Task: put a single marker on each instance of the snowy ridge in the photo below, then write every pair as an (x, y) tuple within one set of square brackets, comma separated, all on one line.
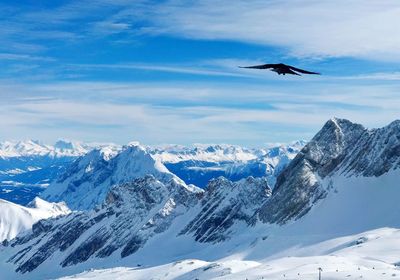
[(61, 148), (87, 180), (15, 218), (203, 152), (130, 215), (339, 148), (201, 163)]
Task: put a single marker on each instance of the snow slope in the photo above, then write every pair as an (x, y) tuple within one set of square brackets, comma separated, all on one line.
[(15, 218), (370, 255)]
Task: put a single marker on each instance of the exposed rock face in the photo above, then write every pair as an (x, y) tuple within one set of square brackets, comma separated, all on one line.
[(224, 204), (341, 147), (131, 214), (87, 181)]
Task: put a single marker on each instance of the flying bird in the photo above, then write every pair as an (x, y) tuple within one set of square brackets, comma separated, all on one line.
[(281, 69)]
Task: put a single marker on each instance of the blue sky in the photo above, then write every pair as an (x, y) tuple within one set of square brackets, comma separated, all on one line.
[(166, 71)]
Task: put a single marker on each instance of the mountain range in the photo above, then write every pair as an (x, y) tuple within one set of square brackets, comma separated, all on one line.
[(28, 167), (333, 206)]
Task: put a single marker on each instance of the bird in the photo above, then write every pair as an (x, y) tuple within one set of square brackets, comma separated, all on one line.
[(281, 69)]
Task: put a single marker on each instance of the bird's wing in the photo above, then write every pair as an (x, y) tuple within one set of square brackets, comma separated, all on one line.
[(264, 66), (288, 71), (303, 71)]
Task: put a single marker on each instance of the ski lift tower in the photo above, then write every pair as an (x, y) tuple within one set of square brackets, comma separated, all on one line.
[(319, 273)]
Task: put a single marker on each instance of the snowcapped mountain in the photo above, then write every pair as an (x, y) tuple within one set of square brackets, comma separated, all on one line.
[(27, 167), (15, 218), (131, 214), (335, 206), (341, 149), (62, 148), (137, 212), (87, 180), (199, 164), (203, 152)]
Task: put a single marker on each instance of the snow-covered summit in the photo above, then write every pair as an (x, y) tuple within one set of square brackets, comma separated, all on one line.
[(36, 148), (202, 152), (87, 180), (340, 148)]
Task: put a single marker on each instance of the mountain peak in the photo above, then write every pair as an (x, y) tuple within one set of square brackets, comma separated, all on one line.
[(87, 181), (340, 147)]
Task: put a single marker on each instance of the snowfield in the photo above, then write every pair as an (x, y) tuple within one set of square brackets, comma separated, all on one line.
[(15, 218), (369, 255)]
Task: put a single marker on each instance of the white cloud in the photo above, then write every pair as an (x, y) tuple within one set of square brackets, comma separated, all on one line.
[(24, 57), (355, 28), (187, 113)]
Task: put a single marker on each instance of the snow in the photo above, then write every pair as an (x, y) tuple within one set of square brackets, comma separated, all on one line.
[(86, 182), (339, 259), (62, 148), (15, 218), (352, 231), (202, 152), (351, 234)]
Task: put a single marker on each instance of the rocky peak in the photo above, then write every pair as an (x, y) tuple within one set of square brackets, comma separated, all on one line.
[(340, 147)]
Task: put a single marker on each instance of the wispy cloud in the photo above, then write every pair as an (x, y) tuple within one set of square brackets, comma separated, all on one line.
[(166, 113), (355, 28), (209, 70), (24, 57), (343, 28)]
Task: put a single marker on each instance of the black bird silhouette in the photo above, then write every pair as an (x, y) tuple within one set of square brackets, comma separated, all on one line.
[(281, 68)]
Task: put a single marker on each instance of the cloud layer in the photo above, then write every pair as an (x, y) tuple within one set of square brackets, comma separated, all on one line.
[(163, 113)]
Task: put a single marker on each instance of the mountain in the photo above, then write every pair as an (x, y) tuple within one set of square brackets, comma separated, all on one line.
[(136, 213), (15, 218), (225, 203), (199, 164), (341, 150), (130, 214), (86, 182), (32, 148), (28, 167), (334, 206)]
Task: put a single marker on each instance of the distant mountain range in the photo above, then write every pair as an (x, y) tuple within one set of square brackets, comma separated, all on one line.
[(335, 205), (27, 168)]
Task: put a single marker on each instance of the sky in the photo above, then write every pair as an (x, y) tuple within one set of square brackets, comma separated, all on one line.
[(167, 71)]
